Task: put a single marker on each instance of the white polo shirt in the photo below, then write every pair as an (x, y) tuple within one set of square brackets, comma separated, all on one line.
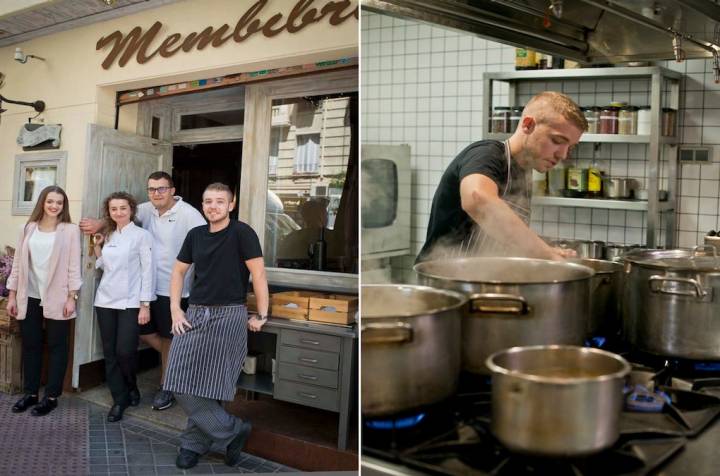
[(168, 233), (127, 266)]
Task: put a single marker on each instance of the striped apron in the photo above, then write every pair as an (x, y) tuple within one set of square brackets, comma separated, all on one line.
[(478, 243), (207, 360)]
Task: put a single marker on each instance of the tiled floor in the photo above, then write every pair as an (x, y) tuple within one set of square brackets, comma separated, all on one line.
[(76, 439), (136, 447)]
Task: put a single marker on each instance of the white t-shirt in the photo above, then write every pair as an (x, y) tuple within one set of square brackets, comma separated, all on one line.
[(40, 245), (169, 232)]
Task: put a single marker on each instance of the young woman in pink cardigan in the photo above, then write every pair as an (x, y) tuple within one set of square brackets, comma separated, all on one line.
[(43, 284)]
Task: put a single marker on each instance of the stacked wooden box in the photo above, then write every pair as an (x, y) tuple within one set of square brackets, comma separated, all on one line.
[(314, 306), (10, 353)]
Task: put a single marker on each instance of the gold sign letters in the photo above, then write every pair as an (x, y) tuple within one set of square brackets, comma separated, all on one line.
[(136, 43)]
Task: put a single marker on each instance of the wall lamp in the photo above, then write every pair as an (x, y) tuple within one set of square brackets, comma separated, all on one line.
[(39, 106), (21, 57)]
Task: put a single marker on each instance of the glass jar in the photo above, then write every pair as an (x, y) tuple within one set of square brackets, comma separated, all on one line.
[(628, 120), (668, 121), (592, 116), (643, 127), (501, 120), (609, 120), (576, 182), (515, 116)]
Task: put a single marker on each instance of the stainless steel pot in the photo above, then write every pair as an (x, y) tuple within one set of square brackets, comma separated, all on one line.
[(713, 241), (557, 400), (617, 187), (672, 302), (410, 338), (615, 252), (605, 294), (515, 301)]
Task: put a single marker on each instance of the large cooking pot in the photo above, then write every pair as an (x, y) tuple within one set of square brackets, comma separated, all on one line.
[(605, 294), (410, 338), (515, 301), (672, 302), (557, 400)]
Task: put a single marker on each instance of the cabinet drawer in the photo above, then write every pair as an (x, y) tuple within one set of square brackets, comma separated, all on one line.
[(309, 395), (308, 358), (310, 340), (297, 373)]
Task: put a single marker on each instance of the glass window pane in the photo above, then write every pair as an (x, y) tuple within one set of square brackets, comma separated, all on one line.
[(36, 179), (201, 120), (312, 204)]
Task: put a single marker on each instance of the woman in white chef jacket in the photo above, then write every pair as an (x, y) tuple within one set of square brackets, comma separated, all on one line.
[(122, 300)]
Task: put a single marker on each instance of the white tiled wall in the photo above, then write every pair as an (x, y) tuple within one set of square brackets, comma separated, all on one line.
[(422, 85)]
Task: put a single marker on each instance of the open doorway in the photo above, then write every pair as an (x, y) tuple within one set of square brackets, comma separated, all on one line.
[(197, 165)]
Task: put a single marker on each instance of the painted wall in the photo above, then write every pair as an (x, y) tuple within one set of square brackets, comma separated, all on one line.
[(78, 91), (422, 86)]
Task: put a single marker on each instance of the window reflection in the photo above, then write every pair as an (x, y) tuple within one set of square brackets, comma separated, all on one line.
[(311, 213)]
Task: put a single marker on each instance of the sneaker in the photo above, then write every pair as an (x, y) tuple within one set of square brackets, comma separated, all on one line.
[(233, 454), (186, 459), (163, 400)]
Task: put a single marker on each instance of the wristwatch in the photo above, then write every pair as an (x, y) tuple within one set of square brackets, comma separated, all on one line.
[(261, 317), (145, 303), (74, 296)]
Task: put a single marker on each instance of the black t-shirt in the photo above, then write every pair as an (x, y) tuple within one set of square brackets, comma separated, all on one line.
[(221, 276), (449, 224)]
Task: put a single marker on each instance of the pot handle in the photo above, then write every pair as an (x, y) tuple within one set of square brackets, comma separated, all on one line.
[(495, 303), (699, 248), (387, 333), (656, 286)]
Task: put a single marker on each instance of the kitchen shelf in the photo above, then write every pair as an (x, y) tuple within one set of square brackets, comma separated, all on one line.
[(260, 383), (613, 138), (605, 203), (657, 212)]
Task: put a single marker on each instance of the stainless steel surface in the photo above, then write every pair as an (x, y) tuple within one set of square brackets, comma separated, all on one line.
[(713, 241), (616, 187), (514, 301), (671, 302), (410, 337), (605, 293), (588, 31), (557, 400), (615, 252)]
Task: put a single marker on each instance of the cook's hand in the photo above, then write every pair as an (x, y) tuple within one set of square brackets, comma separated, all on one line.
[(144, 315), (69, 308), (255, 323), (179, 323), (12, 307), (90, 226), (565, 252)]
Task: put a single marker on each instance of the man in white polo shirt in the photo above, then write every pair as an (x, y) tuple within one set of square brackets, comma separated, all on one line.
[(168, 218)]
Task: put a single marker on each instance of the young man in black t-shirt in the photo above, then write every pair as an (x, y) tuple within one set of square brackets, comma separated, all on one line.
[(482, 204), (210, 342)]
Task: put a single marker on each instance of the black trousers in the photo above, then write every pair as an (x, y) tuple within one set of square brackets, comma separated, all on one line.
[(32, 350), (120, 332)]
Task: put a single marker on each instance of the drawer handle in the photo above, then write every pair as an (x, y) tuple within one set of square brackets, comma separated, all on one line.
[(307, 395), (307, 377), (309, 361), (308, 341)]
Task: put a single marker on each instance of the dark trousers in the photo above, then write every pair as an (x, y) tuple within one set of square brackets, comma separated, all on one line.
[(209, 425), (119, 331), (32, 350)]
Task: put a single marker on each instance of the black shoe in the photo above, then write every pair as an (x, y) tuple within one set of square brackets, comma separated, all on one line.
[(163, 400), (45, 406), (186, 459), (134, 396), (24, 403), (116, 413), (233, 454)]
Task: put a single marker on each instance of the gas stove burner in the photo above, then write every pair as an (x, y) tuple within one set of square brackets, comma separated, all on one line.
[(640, 399), (395, 423)]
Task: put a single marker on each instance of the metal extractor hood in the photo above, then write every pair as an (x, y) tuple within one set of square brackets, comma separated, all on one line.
[(587, 31)]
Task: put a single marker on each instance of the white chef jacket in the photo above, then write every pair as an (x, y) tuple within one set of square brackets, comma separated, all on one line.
[(168, 233), (127, 266)]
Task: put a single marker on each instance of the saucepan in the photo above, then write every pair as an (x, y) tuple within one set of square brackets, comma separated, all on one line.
[(557, 400)]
